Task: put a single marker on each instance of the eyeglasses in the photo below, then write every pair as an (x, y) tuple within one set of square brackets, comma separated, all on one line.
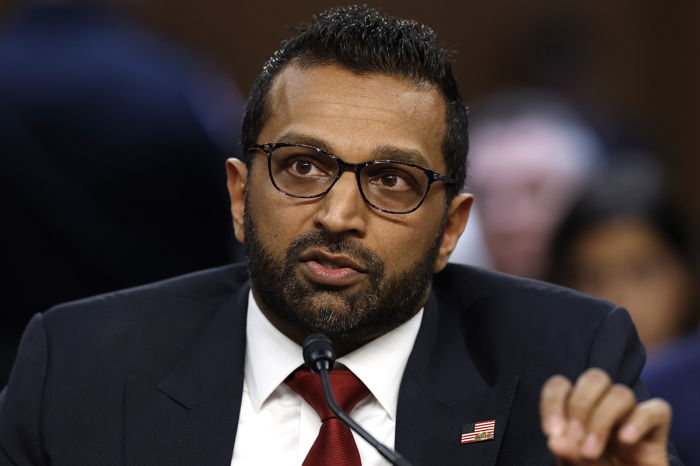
[(303, 171)]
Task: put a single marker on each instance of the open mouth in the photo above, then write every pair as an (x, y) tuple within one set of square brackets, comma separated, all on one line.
[(329, 265), (331, 261), (330, 269)]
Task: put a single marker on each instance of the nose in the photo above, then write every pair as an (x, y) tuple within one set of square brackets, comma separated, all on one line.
[(342, 210)]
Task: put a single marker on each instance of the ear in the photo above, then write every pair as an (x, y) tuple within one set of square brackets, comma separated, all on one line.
[(457, 217), (237, 185)]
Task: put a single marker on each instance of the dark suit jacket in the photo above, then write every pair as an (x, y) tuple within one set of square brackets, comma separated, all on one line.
[(153, 375)]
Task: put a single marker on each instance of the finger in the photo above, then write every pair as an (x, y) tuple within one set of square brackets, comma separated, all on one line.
[(567, 446), (552, 404), (650, 421), (612, 410), (586, 394), (553, 398), (583, 398)]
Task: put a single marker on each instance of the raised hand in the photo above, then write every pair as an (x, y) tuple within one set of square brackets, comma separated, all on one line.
[(596, 422)]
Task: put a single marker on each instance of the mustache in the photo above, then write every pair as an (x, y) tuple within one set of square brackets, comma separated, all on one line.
[(368, 259)]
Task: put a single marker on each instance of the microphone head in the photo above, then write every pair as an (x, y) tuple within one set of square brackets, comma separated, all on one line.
[(318, 352)]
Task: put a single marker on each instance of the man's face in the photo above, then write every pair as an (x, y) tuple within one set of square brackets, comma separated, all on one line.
[(334, 264), (525, 176)]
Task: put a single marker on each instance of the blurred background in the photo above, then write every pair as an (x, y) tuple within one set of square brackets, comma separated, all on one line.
[(116, 118)]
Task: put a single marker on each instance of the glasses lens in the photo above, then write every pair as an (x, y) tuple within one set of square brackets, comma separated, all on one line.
[(394, 186), (302, 171)]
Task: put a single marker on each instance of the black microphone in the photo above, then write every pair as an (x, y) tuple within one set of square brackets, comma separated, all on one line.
[(319, 356)]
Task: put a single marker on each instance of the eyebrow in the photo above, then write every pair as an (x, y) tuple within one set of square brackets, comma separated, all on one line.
[(388, 152), (385, 152), (292, 137)]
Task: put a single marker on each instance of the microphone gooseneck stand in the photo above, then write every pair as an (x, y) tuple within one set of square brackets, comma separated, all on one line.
[(319, 356)]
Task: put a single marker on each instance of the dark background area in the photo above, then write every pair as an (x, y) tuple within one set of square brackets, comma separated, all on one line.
[(633, 63)]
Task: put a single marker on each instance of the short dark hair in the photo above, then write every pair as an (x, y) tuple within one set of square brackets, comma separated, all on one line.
[(366, 42)]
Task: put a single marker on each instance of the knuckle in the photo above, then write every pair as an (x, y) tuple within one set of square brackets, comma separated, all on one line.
[(579, 405), (659, 407), (602, 427), (556, 386), (597, 376), (558, 380), (581, 410), (554, 392), (623, 394)]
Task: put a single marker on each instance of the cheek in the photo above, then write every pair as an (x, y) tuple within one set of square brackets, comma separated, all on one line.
[(278, 218), (403, 244)]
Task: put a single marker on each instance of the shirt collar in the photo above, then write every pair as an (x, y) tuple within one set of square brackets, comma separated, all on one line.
[(380, 364), (271, 357)]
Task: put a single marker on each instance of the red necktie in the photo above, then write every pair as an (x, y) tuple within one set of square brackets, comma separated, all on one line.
[(334, 445)]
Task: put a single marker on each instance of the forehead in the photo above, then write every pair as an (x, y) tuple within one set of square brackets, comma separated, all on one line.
[(356, 117)]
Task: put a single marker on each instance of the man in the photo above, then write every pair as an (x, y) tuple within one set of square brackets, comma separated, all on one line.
[(531, 154), (203, 369)]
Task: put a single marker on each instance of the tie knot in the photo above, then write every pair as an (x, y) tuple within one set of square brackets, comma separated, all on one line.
[(347, 388)]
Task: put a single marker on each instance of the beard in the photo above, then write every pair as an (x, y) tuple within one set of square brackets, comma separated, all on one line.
[(373, 309)]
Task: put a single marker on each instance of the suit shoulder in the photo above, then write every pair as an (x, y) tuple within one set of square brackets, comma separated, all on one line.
[(466, 286), (145, 330), (526, 326), (211, 287), (170, 312), (524, 313)]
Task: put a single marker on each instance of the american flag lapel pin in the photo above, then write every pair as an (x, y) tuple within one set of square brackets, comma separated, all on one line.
[(478, 431)]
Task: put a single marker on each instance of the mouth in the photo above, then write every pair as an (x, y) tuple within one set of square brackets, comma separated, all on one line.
[(330, 269)]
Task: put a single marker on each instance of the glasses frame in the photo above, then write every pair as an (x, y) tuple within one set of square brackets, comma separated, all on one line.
[(343, 167)]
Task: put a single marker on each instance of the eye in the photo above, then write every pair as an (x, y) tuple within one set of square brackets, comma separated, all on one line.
[(389, 180), (393, 179), (305, 167)]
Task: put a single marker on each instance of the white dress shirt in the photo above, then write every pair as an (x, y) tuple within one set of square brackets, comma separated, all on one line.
[(277, 427)]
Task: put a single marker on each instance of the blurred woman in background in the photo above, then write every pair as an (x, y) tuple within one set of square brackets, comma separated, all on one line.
[(626, 241)]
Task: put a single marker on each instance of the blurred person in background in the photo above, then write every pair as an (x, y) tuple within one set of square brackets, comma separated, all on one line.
[(627, 241), (471, 248), (113, 144), (531, 153)]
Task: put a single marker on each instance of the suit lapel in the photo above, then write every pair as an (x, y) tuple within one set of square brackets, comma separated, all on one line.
[(441, 391), (191, 415)]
